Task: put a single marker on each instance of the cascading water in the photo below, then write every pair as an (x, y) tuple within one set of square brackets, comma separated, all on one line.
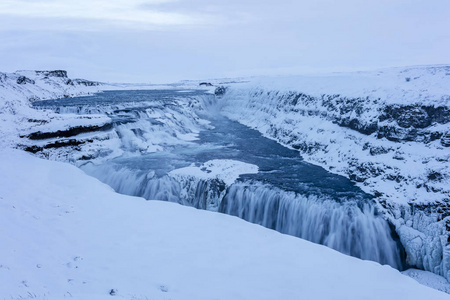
[(350, 226), (345, 227), (202, 194), (159, 134)]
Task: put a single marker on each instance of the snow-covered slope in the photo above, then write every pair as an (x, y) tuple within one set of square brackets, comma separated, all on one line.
[(387, 130), (66, 235), (19, 89)]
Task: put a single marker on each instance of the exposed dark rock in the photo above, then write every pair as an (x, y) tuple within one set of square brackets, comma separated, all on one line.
[(24, 80), (397, 178), (38, 121), (66, 143), (306, 147), (57, 144), (397, 134), (412, 117), (356, 124), (55, 73), (33, 149), (205, 84), (360, 172), (403, 123), (67, 133), (445, 140), (438, 114), (415, 116), (87, 157), (220, 90), (376, 150), (398, 157), (439, 210), (435, 176), (394, 122), (85, 82)]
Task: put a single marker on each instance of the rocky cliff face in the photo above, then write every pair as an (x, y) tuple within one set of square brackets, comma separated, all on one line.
[(394, 148)]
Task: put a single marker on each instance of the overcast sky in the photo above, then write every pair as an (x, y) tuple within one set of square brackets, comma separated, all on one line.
[(169, 40)]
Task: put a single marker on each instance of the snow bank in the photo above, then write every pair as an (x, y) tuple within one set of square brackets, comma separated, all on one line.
[(65, 234)]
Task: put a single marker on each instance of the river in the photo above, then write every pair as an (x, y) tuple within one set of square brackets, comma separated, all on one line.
[(287, 194)]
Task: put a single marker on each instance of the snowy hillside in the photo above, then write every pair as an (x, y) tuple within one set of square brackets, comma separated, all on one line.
[(66, 235), (387, 130)]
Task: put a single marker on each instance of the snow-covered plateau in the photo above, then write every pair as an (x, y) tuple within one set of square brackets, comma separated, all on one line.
[(67, 235)]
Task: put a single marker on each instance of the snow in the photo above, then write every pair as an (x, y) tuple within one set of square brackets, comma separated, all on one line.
[(68, 235), (65, 234), (304, 112), (401, 85), (226, 170), (18, 118), (429, 279)]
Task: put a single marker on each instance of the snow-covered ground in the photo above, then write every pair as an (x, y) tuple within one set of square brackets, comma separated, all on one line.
[(66, 235), (49, 206)]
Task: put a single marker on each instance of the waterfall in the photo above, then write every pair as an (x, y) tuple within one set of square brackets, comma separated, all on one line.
[(158, 136), (190, 191), (348, 227)]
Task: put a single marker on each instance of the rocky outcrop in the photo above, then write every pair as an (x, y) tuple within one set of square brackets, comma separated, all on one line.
[(445, 139), (220, 90), (72, 131), (54, 73), (367, 116), (85, 82), (57, 144), (24, 80), (413, 123)]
